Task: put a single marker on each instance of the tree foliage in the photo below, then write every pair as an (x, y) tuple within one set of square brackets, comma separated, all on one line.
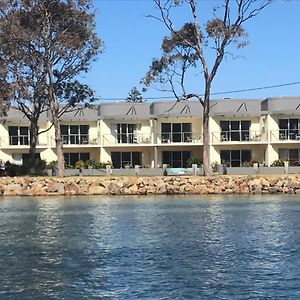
[(46, 44), (135, 96)]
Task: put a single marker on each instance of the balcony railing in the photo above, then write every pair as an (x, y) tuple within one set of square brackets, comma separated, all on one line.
[(127, 138), (79, 139), (238, 136), (19, 140), (14, 140), (285, 135), (179, 137)]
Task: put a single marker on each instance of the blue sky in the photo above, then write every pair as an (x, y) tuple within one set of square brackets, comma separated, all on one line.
[(132, 40)]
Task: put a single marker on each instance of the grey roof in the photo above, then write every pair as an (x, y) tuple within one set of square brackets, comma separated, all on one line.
[(235, 107), (14, 115), (125, 110), (81, 114), (184, 108), (282, 105)]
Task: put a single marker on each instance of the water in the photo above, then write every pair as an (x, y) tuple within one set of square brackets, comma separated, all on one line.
[(150, 248)]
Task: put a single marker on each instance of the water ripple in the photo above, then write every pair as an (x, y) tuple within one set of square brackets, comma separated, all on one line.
[(150, 248)]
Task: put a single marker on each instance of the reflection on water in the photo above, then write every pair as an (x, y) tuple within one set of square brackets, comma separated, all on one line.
[(150, 248)]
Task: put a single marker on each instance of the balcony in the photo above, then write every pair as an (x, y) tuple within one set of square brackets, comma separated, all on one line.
[(238, 136), (17, 141), (127, 139), (282, 135), (77, 139), (179, 137)]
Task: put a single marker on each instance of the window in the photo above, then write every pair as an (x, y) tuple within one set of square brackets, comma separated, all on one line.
[(235, 130), (235, 158), (289, 129), (176, 132), (176, 159), (18, 135), (72, 158), (75, 134), (122, 159), (127, 133), (288, 154)]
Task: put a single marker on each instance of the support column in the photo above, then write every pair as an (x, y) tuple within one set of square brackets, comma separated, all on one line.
[(155, 156)]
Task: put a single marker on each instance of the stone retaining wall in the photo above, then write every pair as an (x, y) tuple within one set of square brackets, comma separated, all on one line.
[(42, 186)]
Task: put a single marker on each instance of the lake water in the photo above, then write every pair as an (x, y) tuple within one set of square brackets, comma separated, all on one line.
[(191, 247)]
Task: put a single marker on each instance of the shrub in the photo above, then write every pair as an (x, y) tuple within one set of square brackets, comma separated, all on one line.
[(247, 164), (295, 163), (79, 164), (50, 165), (193, 160), (277, 163)]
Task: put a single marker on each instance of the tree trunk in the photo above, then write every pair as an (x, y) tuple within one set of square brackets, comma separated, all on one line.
[(33, 142), (58, 142), (206, 146), (54, 107)]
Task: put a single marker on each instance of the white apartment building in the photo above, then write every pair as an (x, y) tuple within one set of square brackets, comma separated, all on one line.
[(153, 134)]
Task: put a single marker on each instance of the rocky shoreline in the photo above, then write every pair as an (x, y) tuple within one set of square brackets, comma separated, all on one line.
[(158, 185)]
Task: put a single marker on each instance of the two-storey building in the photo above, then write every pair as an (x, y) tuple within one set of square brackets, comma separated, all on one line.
[(165, 132)]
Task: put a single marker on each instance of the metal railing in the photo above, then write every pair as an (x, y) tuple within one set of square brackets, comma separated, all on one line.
[(238, 136), (127, 138), (179, 137), (79, 139), (15, 140), (285, 135)]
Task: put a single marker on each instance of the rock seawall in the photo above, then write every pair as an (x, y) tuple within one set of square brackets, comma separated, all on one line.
[(44, 186)]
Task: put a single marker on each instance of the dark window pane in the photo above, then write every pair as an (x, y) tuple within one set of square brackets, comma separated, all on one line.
[(235, 125), (176, 159), (64, 130), (235, 163), (283, 123), (66, 158), (246, 155), (293, 155), (116, 159), (176, 155), (166, 157), (125, 159), (283, 154), (293, 123), (185, 156), (235, 135), (224, 125), (235, 154), (225, 156), (165, 127), (136, 158), (13, 130), (186, 127), (84, 156), (176, 127), (245, 125), (73, 158), (74, 129), (23, 130), (84, 129)]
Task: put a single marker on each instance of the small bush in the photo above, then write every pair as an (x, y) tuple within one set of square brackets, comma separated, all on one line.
[(79, 164), (193, 161), (278, 163)]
